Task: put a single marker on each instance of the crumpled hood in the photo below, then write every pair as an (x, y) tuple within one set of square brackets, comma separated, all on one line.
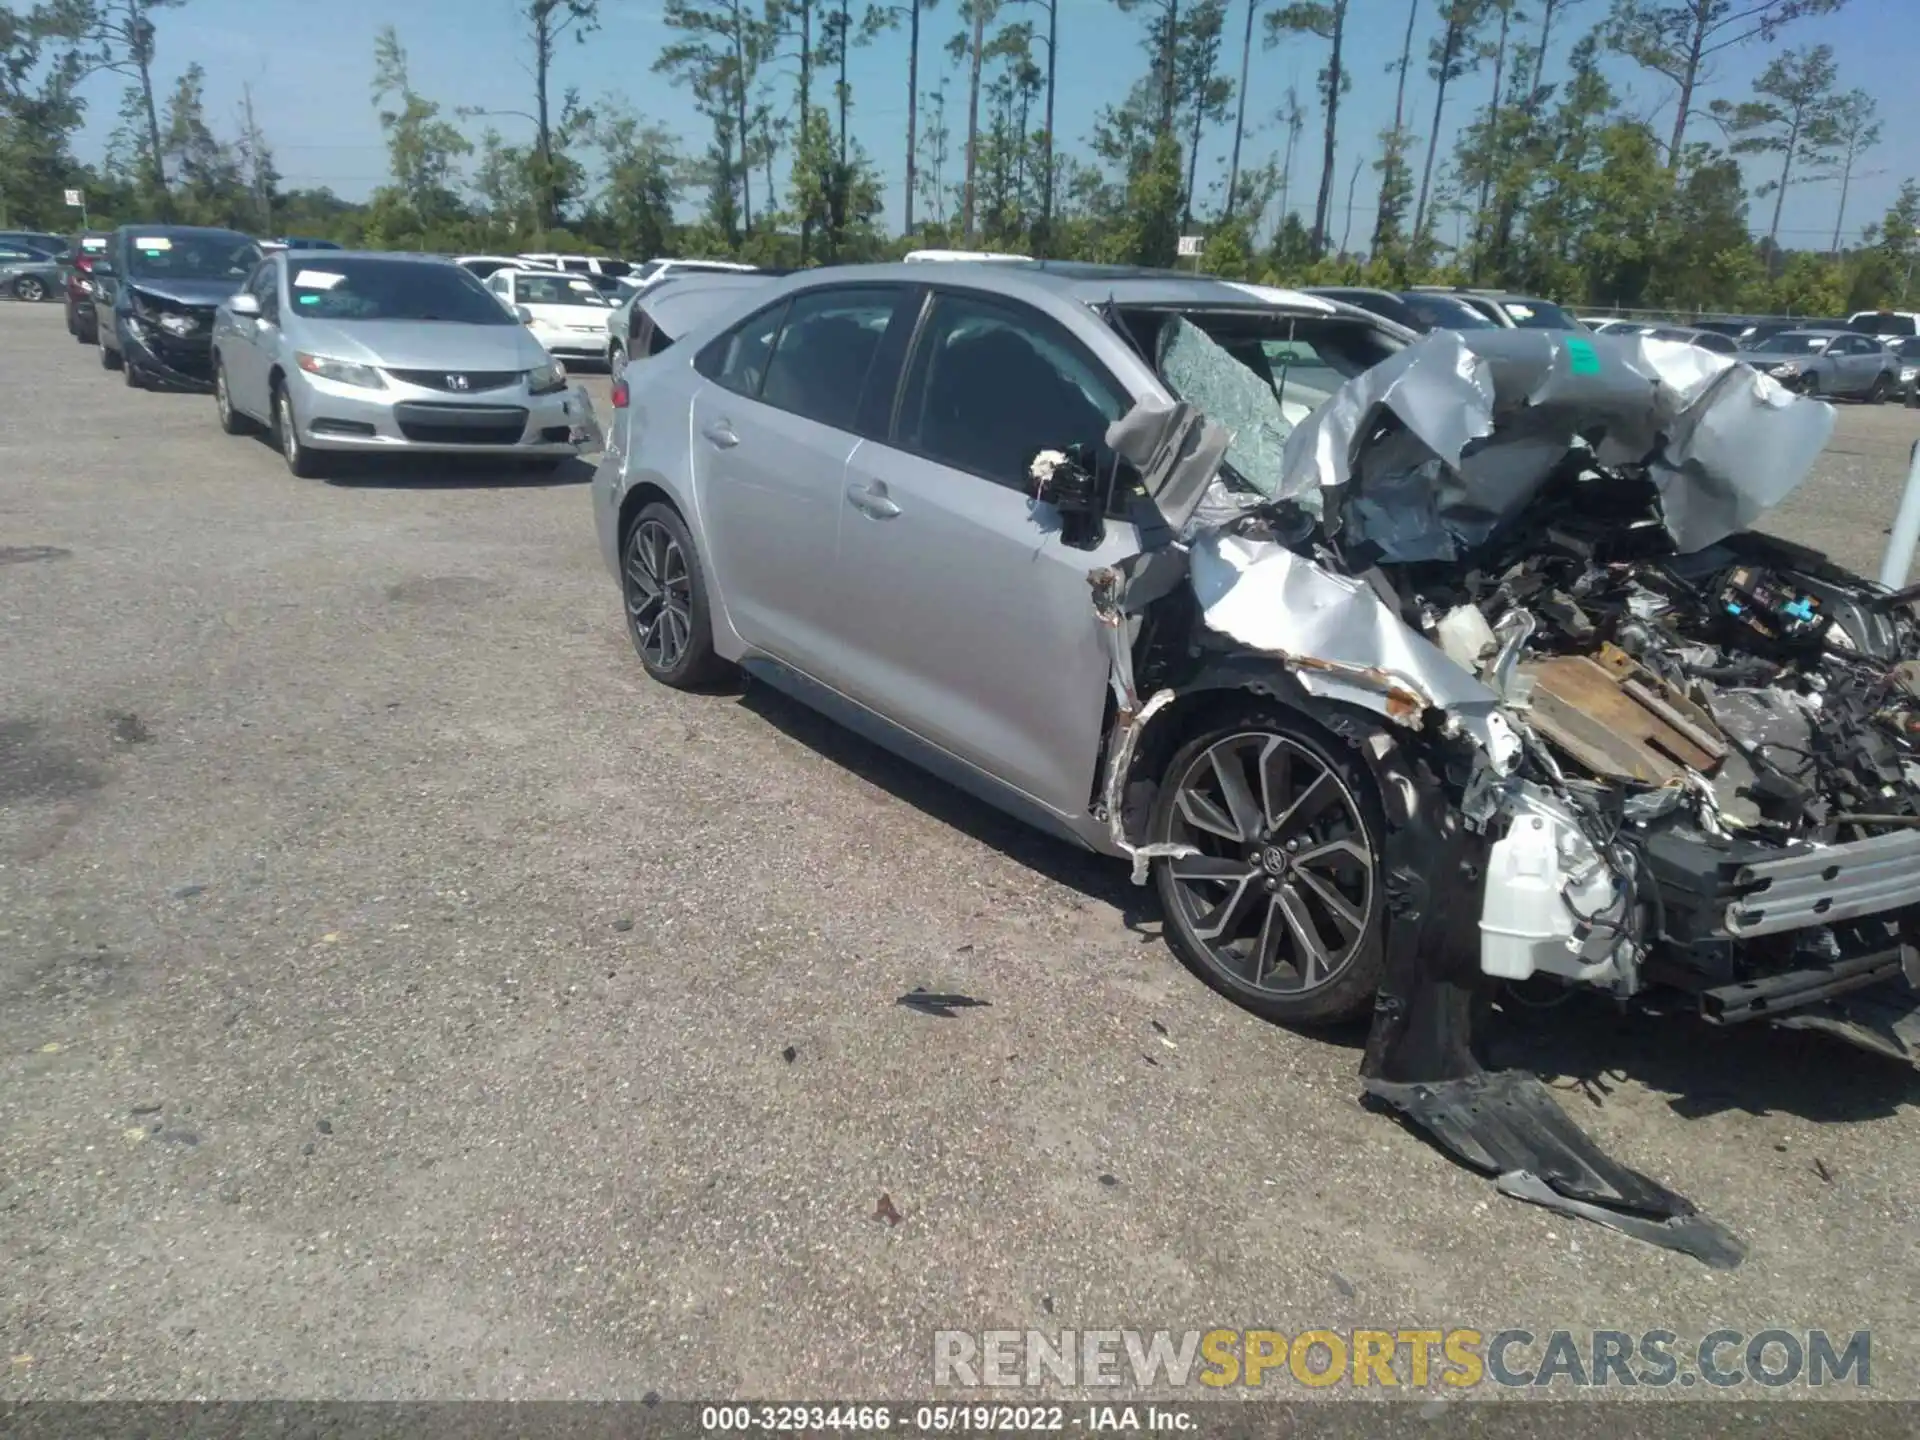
[(1426, 455), (202, 294)]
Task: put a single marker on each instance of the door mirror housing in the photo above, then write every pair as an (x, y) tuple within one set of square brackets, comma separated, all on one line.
[(245, 305), (1069, 482)]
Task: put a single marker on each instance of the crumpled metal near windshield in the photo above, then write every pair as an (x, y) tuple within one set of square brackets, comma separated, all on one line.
[(1424, 457), (1427, 454)]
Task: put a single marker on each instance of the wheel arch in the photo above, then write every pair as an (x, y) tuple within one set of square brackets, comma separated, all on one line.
[(1234, 682), (637, 498)]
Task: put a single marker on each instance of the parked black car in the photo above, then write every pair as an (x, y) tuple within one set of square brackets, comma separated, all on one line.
[(155, 290)]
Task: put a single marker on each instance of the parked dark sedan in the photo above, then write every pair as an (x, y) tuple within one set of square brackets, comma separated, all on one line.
[(155, 290), (78, 276)]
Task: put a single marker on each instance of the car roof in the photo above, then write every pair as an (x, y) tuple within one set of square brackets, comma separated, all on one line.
[(335, 257), (165, 229), (1074, 281)]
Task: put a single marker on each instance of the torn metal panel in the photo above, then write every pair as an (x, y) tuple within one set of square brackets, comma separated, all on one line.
[(1177, 451), (1734, 455), (1428, 454), (1339, 638), (1507, 1124)]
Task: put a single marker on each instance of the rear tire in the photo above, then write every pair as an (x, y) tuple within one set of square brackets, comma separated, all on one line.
[(30, 288), (1285, 916), (1878, 394), (130, 373), (669, 617)]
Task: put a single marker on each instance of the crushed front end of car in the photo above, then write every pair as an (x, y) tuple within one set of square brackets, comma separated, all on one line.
[(1621, 742)]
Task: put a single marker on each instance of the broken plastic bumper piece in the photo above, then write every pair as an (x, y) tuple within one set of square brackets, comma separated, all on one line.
[(1507, 1124)]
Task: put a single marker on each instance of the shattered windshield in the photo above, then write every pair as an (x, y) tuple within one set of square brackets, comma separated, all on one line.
[(1258, 374)]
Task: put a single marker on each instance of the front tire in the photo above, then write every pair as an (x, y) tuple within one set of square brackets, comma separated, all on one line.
[(1282, 909), (302, 463), (110, 358), (1878, 394), (669, 617), (30, 288), (232, 422)]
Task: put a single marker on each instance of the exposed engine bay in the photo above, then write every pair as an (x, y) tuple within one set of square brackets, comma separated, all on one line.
[(1651, 750)]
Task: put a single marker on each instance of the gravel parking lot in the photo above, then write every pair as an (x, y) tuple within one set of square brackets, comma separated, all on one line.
[(401, 996)]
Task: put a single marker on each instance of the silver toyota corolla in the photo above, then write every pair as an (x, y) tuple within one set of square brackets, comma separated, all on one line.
[(1407, 669), (343, 351)]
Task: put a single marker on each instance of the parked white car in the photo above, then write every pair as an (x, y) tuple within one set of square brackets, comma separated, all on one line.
[(485, 266), (652, 272), (566, 313), (579, 264)]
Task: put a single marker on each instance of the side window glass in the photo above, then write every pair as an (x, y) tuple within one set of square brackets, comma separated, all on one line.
[(265, 287), (738, 359), (820, 363), (993, 385)]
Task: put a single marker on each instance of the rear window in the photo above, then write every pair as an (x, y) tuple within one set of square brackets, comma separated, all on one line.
[(1538, 315), (1443, 312)]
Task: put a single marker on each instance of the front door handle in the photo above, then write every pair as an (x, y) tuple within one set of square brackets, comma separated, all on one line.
[(871, 502), (720, 434)]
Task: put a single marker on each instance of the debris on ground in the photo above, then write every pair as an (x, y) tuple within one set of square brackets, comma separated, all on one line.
[(946, 1006)]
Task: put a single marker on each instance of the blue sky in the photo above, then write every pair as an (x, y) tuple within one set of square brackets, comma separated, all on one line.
[(309, 66)]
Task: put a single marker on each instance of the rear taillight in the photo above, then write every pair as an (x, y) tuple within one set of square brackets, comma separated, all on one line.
[(619, 394)]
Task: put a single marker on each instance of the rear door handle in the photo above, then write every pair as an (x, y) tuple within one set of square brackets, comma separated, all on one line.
[(870, 502), (720, 434)]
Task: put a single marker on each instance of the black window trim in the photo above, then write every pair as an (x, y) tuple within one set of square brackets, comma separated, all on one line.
[(707, 360), (992, 300), (900, 291)]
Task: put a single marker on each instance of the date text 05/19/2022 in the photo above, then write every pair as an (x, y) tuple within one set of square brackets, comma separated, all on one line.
[(956, 1419)]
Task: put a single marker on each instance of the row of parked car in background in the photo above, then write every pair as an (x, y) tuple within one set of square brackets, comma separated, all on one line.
[(331, 352), (1871, 355)]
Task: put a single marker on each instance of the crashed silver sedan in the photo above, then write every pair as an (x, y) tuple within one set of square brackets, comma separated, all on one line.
[(1404, 668)]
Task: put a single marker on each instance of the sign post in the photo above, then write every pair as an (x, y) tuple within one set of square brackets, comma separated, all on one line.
[(77, 200)]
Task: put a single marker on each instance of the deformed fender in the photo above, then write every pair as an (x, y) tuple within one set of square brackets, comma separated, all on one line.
[(1419, 1058)]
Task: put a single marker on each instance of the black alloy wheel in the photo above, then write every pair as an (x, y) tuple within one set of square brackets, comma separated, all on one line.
[(665, 590), (1281, 907)]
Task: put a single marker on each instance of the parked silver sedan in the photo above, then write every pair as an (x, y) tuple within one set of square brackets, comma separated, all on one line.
[(345, 351), (1827, 363), (830, 481), (27, 274)]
